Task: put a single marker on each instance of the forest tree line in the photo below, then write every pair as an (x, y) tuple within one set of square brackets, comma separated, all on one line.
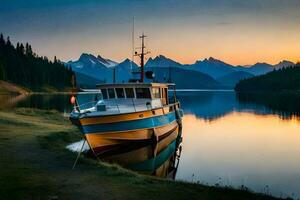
[(285, 79), (20, 65)]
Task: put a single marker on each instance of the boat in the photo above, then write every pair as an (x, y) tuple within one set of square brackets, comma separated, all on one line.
[(128, 112)]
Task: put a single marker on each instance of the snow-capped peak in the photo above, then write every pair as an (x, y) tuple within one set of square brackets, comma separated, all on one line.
[(106, 62), (88, 58)]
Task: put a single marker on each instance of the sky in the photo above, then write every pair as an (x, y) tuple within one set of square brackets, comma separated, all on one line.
[(235, 31)]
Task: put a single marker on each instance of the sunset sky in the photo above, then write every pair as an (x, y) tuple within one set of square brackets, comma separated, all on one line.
[(235, 31)]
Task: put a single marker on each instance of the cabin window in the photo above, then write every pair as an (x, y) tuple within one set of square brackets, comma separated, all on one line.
[(98, 97), (129, 92), (111, 93), (120, 93), (164, 92), (167, 96), (104, 93), (142, 93), (156, 93)]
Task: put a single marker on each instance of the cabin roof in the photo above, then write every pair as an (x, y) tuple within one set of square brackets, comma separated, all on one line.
[(121, 85)]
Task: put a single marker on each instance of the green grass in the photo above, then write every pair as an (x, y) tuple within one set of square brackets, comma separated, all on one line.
[(34, 164)]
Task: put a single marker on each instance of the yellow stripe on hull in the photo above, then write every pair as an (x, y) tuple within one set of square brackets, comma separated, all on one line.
[(127, 116), (105, 140)]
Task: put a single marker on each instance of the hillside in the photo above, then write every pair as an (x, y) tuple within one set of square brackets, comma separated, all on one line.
[(20, 65), (277, 80), (230, 80), (86, 81)]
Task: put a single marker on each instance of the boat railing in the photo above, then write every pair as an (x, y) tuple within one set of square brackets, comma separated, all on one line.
[(85, 106), (127, 105), (120, 105)]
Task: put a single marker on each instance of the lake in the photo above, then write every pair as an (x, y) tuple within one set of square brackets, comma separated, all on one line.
[(228, 139)]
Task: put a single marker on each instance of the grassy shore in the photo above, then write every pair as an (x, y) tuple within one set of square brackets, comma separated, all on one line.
[(34, 164)]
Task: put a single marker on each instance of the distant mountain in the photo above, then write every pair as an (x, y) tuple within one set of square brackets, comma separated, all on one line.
[(162, 61), (127, 65), (102, 69), (107, 62), (87, 60), (256, 69), (284, 64), (263, 68), (213, 67), (92, 66), (184, 78), (91, 70), (124, 71), (279, 80), (230, 80)]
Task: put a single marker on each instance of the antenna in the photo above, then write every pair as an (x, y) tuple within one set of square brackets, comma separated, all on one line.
[(142, 55), (132, 53), (169, 81), (114, 75)]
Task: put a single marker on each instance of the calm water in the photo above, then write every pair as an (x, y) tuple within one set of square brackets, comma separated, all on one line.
[(228, 139)]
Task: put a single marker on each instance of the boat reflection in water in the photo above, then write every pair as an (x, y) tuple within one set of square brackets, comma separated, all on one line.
[(159, 159)]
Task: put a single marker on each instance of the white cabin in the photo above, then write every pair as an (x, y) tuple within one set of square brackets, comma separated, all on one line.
[(129, 97)]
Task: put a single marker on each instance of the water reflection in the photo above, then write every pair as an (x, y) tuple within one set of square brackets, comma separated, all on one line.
[(158, 159), (60, 102), (285, 104), (260, 152), (11, 100), (211, 105)]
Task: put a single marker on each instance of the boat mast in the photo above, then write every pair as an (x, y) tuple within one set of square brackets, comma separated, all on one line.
[(142, 56)]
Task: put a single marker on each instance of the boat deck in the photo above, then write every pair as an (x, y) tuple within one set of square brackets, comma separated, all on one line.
[(120, 106)]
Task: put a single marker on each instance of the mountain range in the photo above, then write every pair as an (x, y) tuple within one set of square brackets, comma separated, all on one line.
[(203, 74)]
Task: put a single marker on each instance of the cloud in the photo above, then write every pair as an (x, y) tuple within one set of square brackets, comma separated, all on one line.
[(223, 23)]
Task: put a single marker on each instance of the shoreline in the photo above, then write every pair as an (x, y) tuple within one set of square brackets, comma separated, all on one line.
[(36, 165), (11, 88)]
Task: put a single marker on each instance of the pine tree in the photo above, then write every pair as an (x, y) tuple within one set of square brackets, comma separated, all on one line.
[(8, 43), (22, 49), (2, 71), (2, 41), (28, 50)]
